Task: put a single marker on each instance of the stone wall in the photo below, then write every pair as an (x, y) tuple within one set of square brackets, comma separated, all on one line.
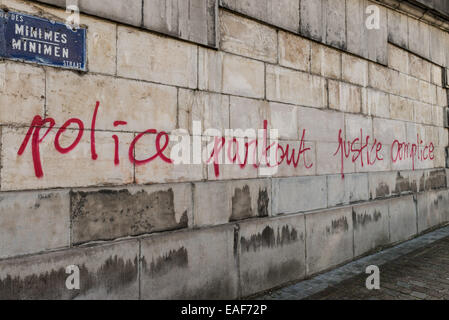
[(343, 98)]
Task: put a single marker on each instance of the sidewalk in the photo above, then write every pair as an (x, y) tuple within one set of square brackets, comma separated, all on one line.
[(417, 269)]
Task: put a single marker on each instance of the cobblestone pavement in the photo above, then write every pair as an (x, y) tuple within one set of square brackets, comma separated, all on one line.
[(415, 270)]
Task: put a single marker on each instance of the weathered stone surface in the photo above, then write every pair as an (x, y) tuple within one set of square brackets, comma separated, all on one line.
[(354, 70), (375, 103), (294, 51), (248, 113), (106, 272), (33, 222), (418, 37), (117, 10), (146, 56), (401, 108), (398, 59), (344, 97), (334, 16), (271, 253), (199, 264), (433, 209), (189, 20), (329, 239), (325, 61), (377, 39), (384, 130), (398, 29), (107, 214), (185, 162), (379, 77), (210, 109), (355, 27), (294, 195), (305, 163), (222, 202), (419, 68), (353, 188), (73, 169), (320, 125), (371, 229), (22, 93), (368, 43), (242, 77), (328, 160), (136, 102), (283, 117), (437, 47), (283, 13), (403, 224), (288, 86), (311, 17), (247, 38)]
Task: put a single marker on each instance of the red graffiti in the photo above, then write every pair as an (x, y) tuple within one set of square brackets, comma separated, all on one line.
[(404, 150), (359, 149), (365, 150), (232, 153), (63, 129), (34, 130)]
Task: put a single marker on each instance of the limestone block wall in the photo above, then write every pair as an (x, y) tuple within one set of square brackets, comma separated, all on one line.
[(87, 171)]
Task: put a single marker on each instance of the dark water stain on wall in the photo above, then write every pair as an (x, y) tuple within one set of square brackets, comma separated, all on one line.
[(166, 263), (434, 180), (382, 190), (403, 184), (110, 214), (268, 239), (362, 219), (262, 203), (112, 276), (241, 204), (337, 226)]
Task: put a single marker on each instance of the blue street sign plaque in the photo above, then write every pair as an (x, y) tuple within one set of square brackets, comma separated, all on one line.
[(32, 39)]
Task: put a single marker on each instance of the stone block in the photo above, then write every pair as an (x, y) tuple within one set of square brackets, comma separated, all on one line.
[(288, 86), (403, 223), (401, 108), (352, 188), (33, 222), (293, 195), (355, 70), (433, 209), (210, 109), (271, 253), (320, 125), (190, 20), (242, 77), (371, 229), (136, 102), (197, 264), (325, 61), (107, 214), (418, 37), (294, 51), (329, 239), (283, 13), (247, 38), (146, 56), (73, 169), (223, 202), (22, 93), (344, 97), (375, 103), (106, 272)]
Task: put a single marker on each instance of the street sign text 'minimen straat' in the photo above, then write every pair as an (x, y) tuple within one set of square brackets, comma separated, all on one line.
[(27, 38)]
